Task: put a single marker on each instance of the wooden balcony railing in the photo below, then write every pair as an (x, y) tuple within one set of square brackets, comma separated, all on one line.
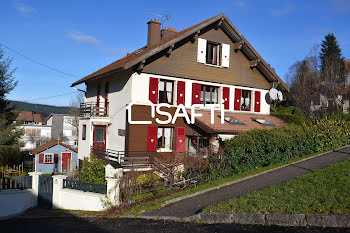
[(92, 109)]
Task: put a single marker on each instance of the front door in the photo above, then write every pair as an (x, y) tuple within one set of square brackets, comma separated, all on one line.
[(99, 144), (66, 161)]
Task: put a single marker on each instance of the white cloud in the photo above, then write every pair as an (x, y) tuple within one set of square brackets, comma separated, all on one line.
[(23, 8), (83, 38), (283, 11)]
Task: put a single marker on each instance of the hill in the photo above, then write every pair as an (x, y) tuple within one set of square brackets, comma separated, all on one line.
[(45, 109)]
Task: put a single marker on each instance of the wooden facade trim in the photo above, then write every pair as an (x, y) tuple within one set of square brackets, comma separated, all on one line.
[(254, 63)]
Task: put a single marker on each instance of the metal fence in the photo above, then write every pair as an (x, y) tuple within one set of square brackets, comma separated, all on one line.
[(16, 182), (85, 186)]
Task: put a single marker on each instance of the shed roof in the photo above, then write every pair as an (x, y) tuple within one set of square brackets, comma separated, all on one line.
[(49, 145)]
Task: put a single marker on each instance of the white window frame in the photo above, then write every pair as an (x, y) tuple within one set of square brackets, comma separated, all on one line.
[(218, 52), (52, 158), (162, 149)]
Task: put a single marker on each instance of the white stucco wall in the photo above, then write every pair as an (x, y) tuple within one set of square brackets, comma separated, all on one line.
[(14, 202), (70, 199)]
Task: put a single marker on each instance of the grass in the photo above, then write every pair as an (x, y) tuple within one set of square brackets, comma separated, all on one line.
[(326, 191), (158, 203)]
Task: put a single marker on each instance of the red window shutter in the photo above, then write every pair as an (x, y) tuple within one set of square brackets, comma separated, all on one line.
[(41, 158), (181, 92), (257, 101), (55, 156), (98, 95), (180, 139), (153, 90), (106, 97), (226, 97), (196, 93), (238, 95), (152, 138)]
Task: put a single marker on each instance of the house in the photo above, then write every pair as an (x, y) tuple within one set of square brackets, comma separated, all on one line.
[(35, 131), (55, 156), (208, 64), (63, 128)]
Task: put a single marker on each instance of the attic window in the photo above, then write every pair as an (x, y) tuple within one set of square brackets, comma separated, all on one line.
[(213, 53), (231, 120), (263, 122)]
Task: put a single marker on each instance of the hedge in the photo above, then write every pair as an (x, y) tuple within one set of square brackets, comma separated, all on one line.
[(260, 148)]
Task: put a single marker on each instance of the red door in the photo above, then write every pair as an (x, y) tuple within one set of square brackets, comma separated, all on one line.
[(99, 143), (66, 161)]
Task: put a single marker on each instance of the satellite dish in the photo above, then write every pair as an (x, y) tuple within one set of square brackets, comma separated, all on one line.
[(273, 93), (280, 95)]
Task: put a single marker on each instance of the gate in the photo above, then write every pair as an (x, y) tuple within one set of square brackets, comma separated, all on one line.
[(45, 191)]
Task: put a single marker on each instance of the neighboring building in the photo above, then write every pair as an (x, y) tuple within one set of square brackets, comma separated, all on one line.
[(35, 132), (63, 129), (209, 63), (55, 157)]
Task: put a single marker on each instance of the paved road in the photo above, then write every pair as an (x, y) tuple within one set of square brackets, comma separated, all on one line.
[(77, 225), (194, 205)]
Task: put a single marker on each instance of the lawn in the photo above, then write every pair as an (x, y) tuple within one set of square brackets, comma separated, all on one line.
[(158, 203), (326, 191)]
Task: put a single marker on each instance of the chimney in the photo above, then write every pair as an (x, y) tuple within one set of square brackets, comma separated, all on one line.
[(167, 32), (153, 32)]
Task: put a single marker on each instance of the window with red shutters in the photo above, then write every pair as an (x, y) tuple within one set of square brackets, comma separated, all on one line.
[(153, 90), (257, 101), (180, 139), (181, 88), (41, 158), (226, 97), (165, 94), (196, 93), (152, 138), (238, 94)]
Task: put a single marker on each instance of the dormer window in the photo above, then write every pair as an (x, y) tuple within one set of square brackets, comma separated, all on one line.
[(213, 54)]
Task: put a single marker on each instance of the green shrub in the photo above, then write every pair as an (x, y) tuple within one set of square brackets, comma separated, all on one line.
[(93, 170), (260, 148)]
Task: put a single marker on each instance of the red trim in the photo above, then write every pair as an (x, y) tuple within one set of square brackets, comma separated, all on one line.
[(153, 90), (257, 101), (196, 93), (106, 97), (226, 97), (98, 95), (181, 88), (152, 138), (180, 139), (238, 95), (65, 163), (49, 145), (98, 144)]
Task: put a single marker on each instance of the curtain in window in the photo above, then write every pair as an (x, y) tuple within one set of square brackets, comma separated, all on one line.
[(167, 135)]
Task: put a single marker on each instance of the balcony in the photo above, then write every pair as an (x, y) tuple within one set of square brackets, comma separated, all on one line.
[(93, 109)]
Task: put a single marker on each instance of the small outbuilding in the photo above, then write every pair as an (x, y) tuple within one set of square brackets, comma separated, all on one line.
[(55, 156)]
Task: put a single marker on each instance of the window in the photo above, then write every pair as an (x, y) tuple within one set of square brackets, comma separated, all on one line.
[(99, 134), (165, 91), (263, 122), (48, 158), (245, 100), (209, 95), (231, 120), (198, 144), (213, 53), (83, 137), (164, 139)]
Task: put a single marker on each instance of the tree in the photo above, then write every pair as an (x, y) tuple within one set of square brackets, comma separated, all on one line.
[(74, 111), (9, 132), (332, 75)]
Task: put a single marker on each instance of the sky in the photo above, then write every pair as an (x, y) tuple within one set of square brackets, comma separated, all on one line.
[(79, 37)]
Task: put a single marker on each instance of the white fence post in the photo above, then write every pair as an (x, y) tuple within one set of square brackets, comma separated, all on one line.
[(57, 186), (113, 176), (35, 185)]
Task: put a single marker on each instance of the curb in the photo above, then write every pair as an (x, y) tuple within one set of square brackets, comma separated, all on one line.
[(245, 178), (296, 220)]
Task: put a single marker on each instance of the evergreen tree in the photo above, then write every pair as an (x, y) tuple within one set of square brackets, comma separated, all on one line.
[(332, 61)]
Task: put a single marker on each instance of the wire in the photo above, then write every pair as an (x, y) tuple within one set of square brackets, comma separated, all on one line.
[(30, 59), (49, 97)]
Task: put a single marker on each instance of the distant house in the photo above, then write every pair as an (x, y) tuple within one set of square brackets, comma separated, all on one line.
[(55, 156), (63, 129), (35, 130)]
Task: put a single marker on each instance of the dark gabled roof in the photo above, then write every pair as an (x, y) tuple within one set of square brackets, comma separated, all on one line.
[(49, 145), (144, 53)]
